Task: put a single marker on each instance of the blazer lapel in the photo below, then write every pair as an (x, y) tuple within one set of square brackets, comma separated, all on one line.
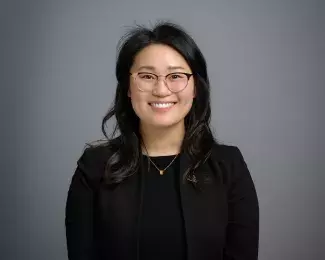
[(204, 209)]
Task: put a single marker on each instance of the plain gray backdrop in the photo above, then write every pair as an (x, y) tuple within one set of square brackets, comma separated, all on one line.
[(266, 65)]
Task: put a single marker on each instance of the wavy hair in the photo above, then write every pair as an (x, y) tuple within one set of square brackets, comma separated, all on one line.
[(125, 156)]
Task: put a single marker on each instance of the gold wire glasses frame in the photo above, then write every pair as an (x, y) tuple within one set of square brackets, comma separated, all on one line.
[(175, 82)]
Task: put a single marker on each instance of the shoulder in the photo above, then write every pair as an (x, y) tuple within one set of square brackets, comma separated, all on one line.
[(93, 160), (226, 153), (230, 161)]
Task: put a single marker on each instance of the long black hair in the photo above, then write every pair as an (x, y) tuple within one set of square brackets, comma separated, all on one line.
[(125, 156)]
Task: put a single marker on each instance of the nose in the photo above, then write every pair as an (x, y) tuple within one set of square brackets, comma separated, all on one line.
[(161, 89)]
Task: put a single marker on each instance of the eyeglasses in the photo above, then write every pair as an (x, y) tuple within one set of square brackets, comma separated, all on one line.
[(175, 82)]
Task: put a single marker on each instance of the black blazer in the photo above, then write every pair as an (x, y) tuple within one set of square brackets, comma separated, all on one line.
[(221, 220)]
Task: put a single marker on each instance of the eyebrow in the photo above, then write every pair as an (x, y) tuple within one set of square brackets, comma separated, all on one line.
[(175, 68), (168, 68)]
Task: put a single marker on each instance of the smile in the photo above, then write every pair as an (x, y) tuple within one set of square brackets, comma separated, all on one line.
[(162, 105)]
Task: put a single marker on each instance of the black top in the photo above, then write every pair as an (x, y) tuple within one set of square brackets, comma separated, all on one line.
[(162, 231), (221, 219)]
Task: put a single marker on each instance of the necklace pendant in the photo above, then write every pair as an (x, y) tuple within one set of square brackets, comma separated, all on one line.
[(161, 172)]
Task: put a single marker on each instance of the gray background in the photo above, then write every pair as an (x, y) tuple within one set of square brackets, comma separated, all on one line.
[(266, 63)]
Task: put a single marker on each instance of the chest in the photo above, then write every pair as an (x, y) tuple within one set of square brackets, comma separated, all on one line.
[(118, 213)]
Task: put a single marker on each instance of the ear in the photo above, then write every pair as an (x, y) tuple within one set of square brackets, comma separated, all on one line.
[(194, 92), (129, 93)]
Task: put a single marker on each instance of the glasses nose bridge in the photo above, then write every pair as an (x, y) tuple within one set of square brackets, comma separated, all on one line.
[(164, 79)]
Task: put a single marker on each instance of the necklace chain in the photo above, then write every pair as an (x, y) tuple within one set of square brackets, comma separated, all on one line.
[(161, 171)]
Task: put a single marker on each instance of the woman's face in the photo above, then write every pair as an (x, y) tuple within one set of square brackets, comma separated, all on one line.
[(156, 105)]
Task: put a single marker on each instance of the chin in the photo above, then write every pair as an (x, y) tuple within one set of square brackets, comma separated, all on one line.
[(164, 123)]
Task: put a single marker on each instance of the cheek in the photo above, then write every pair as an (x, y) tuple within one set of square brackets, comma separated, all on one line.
[(137, 98), (138, 101), (186, 97), (134, 94)]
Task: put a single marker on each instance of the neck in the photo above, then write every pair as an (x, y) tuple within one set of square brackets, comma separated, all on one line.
[(162, 141)]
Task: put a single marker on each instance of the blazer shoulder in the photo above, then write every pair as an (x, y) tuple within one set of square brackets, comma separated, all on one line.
[(226, 153), (93, 160), (229, 161)]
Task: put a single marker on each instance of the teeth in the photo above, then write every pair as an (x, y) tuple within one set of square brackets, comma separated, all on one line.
[(162, 105)]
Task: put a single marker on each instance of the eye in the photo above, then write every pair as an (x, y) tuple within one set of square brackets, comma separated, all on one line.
[(177, 76), (146, 76)]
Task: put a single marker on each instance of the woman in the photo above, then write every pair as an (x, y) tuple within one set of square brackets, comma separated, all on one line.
[(164, 188)]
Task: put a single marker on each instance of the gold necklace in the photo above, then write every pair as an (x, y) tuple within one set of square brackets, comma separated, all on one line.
[(161, 171)]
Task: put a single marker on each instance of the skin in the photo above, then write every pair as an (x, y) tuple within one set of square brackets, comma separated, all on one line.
[(162, 131)]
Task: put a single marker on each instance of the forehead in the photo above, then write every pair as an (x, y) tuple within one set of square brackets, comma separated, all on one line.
[(159, 57)]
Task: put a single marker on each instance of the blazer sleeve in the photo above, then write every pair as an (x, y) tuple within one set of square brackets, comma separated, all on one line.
[(79, 214), (242, 236)]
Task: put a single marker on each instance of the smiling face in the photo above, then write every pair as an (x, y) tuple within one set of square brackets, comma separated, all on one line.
[(153, 101)]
